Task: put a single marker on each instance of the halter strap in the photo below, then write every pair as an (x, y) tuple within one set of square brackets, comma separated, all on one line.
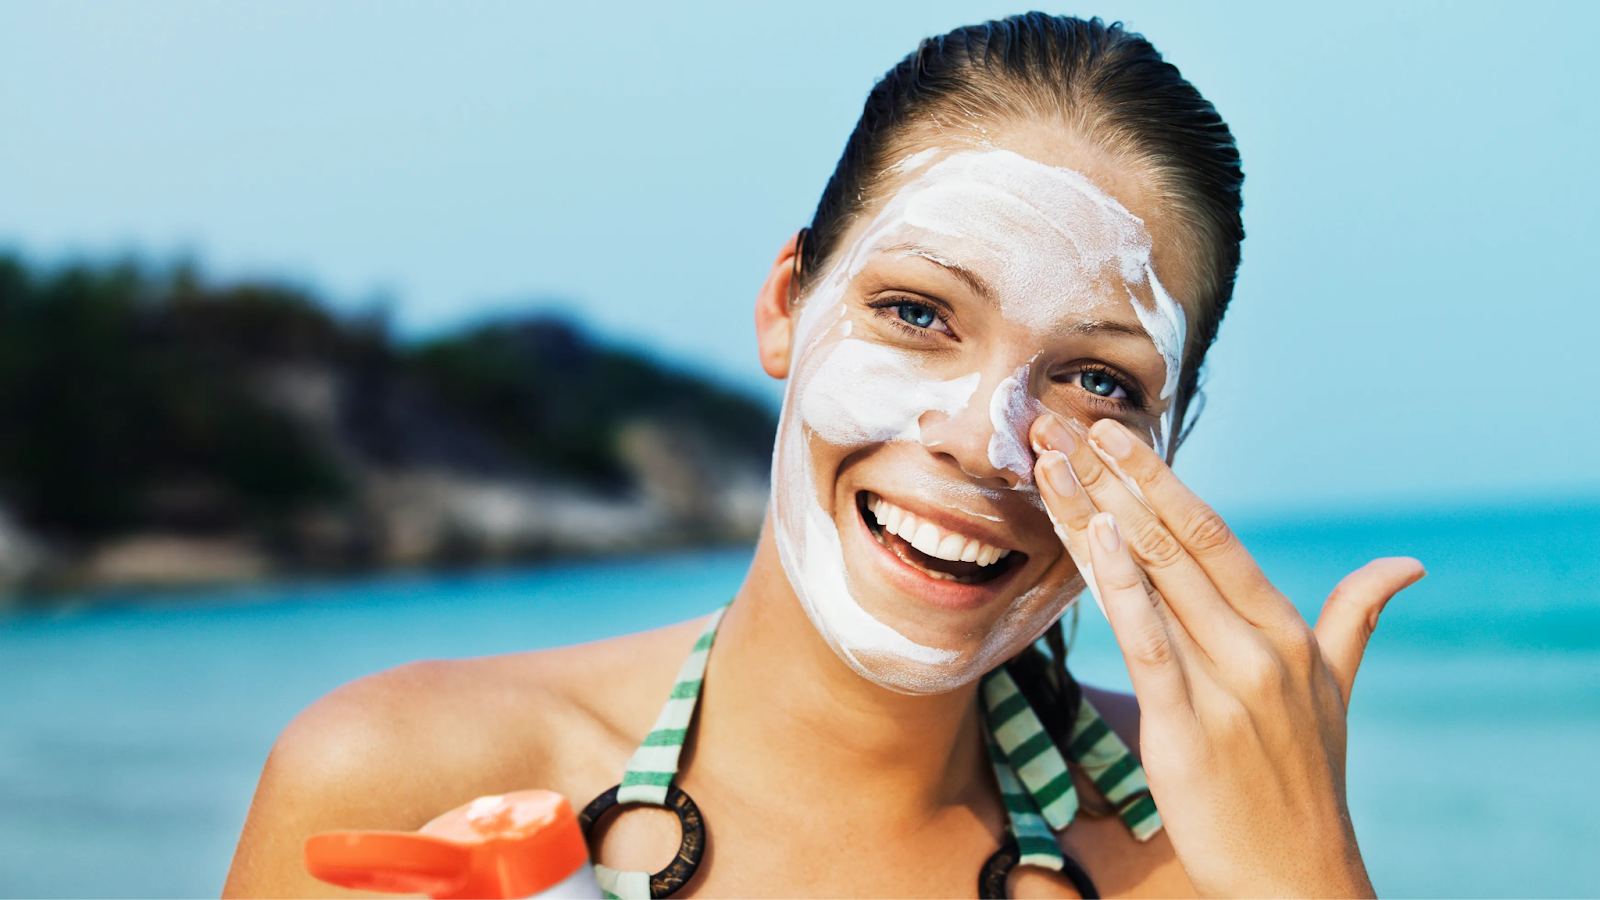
[(654, 765), (1036, 843), (1036, 761)]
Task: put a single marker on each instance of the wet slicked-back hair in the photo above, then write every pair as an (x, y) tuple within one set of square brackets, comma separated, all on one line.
[(1107, 86)]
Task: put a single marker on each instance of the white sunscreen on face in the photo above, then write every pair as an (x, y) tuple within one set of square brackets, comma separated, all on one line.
[(866, 393), (848, 624), (1168, 327), (1053, 250), (1012, 409)]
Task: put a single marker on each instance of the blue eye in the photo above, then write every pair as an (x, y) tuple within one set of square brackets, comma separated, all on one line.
[(918, 315), (1101, 385)]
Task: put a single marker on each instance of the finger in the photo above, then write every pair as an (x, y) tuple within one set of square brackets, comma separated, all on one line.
[(1069, 510), (1351, 614), (1188, 590), (1072, 513), (1149, 646), (1203, 534)]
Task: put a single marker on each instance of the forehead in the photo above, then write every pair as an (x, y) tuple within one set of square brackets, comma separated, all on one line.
[(1019, 210), (1132, 182), (1046, 239), (1178, 253)]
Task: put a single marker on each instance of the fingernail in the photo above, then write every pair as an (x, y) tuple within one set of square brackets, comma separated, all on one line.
[(1055, 434), (1113, 438), (1058, 473), (1105, 530)]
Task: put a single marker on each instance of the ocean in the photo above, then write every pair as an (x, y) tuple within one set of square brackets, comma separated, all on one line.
[(132, 728)]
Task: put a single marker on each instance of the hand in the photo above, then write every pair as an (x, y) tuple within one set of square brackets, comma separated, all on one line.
[(1242, 704)]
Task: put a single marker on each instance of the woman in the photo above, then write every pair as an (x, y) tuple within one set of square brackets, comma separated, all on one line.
[(992, 331)]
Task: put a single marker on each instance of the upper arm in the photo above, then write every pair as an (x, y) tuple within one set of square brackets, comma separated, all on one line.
[(376, 754)]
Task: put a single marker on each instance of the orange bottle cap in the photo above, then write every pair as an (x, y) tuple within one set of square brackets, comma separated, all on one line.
[(512, 845)]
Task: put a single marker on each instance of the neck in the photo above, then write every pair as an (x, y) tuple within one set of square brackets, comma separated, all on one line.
[(780, 706)]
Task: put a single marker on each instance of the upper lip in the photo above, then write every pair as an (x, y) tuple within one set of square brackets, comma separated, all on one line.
[(943, 519)]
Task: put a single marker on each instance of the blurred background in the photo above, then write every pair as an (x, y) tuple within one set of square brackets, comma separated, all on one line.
[(334, 336)]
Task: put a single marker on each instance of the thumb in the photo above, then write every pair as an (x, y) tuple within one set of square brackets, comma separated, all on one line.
[(1351, 614)]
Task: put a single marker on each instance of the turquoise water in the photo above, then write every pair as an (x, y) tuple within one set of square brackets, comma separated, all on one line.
[(131, 736)]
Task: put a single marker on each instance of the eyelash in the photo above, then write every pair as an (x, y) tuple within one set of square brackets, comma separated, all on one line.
[(1134, 400), (885, 309)]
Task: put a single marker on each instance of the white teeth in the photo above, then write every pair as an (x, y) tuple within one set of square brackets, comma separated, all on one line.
[(930, 538), (951, 546)]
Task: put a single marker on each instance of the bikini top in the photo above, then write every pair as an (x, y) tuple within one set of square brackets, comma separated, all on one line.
[(1035, 784)]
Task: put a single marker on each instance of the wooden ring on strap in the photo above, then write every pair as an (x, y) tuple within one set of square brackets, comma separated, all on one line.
[(670, 880), (992, 877)]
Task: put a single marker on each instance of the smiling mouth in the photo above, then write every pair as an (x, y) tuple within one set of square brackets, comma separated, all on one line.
[(937, 553)]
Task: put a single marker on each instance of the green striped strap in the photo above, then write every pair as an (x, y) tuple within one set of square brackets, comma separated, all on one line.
[(655, 763), (1029, 750), (622, 885), (1043, 770), (1036, 844), (1114, 771)]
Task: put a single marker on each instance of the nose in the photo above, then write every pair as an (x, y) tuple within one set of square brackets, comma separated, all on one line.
[(988, 440)]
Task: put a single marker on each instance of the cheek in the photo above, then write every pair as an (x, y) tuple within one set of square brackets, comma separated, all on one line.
[(825, 460), (856, 393), (852, 394)]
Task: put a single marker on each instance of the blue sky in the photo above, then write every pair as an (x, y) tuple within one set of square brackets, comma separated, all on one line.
[(1416, 316)]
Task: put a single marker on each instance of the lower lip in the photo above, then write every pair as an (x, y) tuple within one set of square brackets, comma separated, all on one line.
[(913, 581)]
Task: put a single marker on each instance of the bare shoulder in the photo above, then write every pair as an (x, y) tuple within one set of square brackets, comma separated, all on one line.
[(394, 749), (1121, 712)]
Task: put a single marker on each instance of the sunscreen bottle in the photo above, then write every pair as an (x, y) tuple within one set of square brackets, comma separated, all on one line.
[(522, 844)]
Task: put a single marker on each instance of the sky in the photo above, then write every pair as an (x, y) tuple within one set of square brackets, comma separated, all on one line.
[(1415, 319)]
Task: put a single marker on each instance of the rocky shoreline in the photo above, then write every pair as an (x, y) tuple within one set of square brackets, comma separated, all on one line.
[(283, 440)]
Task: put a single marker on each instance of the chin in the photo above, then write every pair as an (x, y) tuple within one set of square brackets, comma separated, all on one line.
[(905, 676)]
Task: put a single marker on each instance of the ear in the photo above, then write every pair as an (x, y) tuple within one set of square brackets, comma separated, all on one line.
[(774, 317)]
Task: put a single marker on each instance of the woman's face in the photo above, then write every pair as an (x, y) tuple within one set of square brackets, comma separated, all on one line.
[(988, 288)]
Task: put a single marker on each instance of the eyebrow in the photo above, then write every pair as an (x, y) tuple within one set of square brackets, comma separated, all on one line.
[(968, 277), (1099, 326)]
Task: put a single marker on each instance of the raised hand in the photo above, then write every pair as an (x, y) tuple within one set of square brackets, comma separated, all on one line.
[(1242, 703)]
